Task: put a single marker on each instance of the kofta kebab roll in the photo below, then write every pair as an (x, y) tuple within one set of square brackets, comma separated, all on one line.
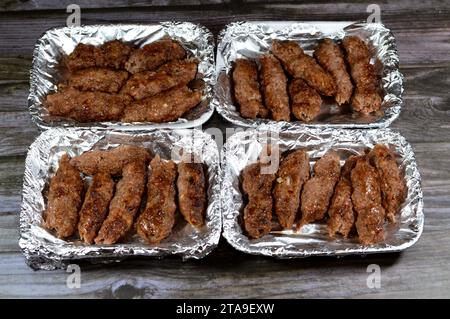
[(109, 161), (330, 57), (153, 55), (257, 185), (393, 188), (95, 206), (366, 199), (98, 79), (341, 213), (305, 100), (164, 107), (112, 54), (156, 221), (291, 176), (300, 65), (246, 89), (366, 98), (125, 204), (318, 190), (191, 184), (148, 83), (274, 87), (85, 106), (64, 199)]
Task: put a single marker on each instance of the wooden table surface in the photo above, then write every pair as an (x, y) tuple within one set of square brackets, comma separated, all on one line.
[(422, 30)]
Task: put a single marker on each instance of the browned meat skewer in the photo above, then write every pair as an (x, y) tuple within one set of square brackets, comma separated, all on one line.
[(393, 188), (342, 216), (366, 98), (258, 212), (366, 199), (124, 205), (95, 206), (247, 90), (110, 161), (112, 54), (331, 58), (164, 107), (148, 83), (64, 199), (291, 176), (157, 220), (305, 100), (191, 184), (301, 65), (98, 79), (274, 84), (153, 55), (85, 106), (318, 190)]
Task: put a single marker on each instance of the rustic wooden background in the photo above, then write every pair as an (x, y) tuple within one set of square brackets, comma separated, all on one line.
[(422, 29)]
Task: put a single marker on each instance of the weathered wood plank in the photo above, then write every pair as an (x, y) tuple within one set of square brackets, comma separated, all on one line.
[(11, 178), (19, 5), (422, 29), (414, 41), (227, 274), (16, 133)]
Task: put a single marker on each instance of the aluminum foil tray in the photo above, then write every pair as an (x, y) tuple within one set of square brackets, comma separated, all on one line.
[(46, 72), (250, 39), (44, 251), (243, 148)]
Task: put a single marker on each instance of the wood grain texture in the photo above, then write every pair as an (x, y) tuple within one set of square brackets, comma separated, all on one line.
[(422, 29)]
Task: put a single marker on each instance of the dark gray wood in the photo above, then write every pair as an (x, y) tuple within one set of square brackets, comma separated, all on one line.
[(422, 30)]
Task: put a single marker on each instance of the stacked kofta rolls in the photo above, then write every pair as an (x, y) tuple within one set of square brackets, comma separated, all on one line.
[(356, 200), (111, 208), (118, 82), (287, 84)]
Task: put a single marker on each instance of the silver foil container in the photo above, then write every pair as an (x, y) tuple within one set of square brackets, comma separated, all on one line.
[(45, 251), (250, 39), (243, 148), (46, 71)]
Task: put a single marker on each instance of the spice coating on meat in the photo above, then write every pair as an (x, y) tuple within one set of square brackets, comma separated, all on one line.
[(318, 190), (64, 199), (112, 54), (292, 174), (110, 161), (366, 199), (153, 55), (342, 215), (247, 90), (164, 107), (305, 100), (366, 98), (95, 206), (157, 220), (301, 65), (98, 79), (124, 205), (258, 211), (274, 84), (191, 184), (331, 58), (86, 106), (393, 188), (148, 83)]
